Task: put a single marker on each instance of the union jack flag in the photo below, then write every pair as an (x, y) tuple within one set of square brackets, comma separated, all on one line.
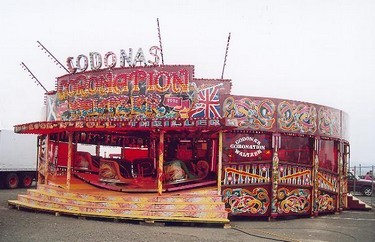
[(207, 104)]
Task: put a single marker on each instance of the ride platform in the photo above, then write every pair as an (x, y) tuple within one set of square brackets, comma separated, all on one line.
[(201, 205)]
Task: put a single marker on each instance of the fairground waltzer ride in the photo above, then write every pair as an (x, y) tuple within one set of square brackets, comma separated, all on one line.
[(186, 148)]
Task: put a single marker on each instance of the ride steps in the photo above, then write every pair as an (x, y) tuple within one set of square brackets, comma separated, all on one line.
[(355, 204), (197, 207)]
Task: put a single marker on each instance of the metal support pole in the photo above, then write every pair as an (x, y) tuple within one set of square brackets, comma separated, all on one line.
[(315, 173), (340, 199), (69, 164), (220, 162), (372, 186), (161, 46), (40, 158), (225, 57), (46, 164), (355, 180), (161, 162), (275, 174)]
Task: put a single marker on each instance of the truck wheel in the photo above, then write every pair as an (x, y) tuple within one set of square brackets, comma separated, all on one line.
[(367, 191), (11, 180), (27, 180)]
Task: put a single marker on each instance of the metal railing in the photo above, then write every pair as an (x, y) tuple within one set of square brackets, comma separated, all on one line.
[(361, 182)]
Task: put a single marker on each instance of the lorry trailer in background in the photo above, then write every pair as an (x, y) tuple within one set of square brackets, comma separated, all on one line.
[(18, 157)]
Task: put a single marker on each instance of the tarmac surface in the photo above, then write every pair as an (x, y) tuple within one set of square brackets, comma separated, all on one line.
[(23, 225)]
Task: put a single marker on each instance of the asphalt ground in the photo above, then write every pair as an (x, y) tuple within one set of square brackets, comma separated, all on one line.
[(22, 225)]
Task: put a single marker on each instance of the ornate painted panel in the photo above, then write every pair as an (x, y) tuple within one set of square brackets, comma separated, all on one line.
[(157, 92), (286, 116), (247, 201), (345, 125), (326, 202), (293, 201), (296, 117), (171, 92), (329, 122), (251, 112)]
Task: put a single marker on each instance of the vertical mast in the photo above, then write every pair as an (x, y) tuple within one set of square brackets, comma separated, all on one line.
[(225, 57), (161, 47)]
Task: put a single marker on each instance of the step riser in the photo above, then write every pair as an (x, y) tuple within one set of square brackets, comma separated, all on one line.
[(199, 197), (131, 206), (160, 203), (356, 204), (216, 199), (69, 200), (51, 205), (201, 205), (146, 211), (191, 214)]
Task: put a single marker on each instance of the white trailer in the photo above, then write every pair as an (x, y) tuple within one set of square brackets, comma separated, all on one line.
[(18, 159)]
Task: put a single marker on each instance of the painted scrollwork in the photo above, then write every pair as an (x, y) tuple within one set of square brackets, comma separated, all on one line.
[(326, 203), (295, 201), (255, 114), (241, 200), (293, 118), (329, 122)]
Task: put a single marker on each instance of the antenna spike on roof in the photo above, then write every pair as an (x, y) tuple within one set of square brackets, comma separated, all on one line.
[(225, 57), (161, 46)]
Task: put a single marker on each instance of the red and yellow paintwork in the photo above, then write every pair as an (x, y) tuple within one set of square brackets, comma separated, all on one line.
[(256, 156)]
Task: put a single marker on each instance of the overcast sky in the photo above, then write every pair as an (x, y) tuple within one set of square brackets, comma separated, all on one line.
[(318, 51)]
